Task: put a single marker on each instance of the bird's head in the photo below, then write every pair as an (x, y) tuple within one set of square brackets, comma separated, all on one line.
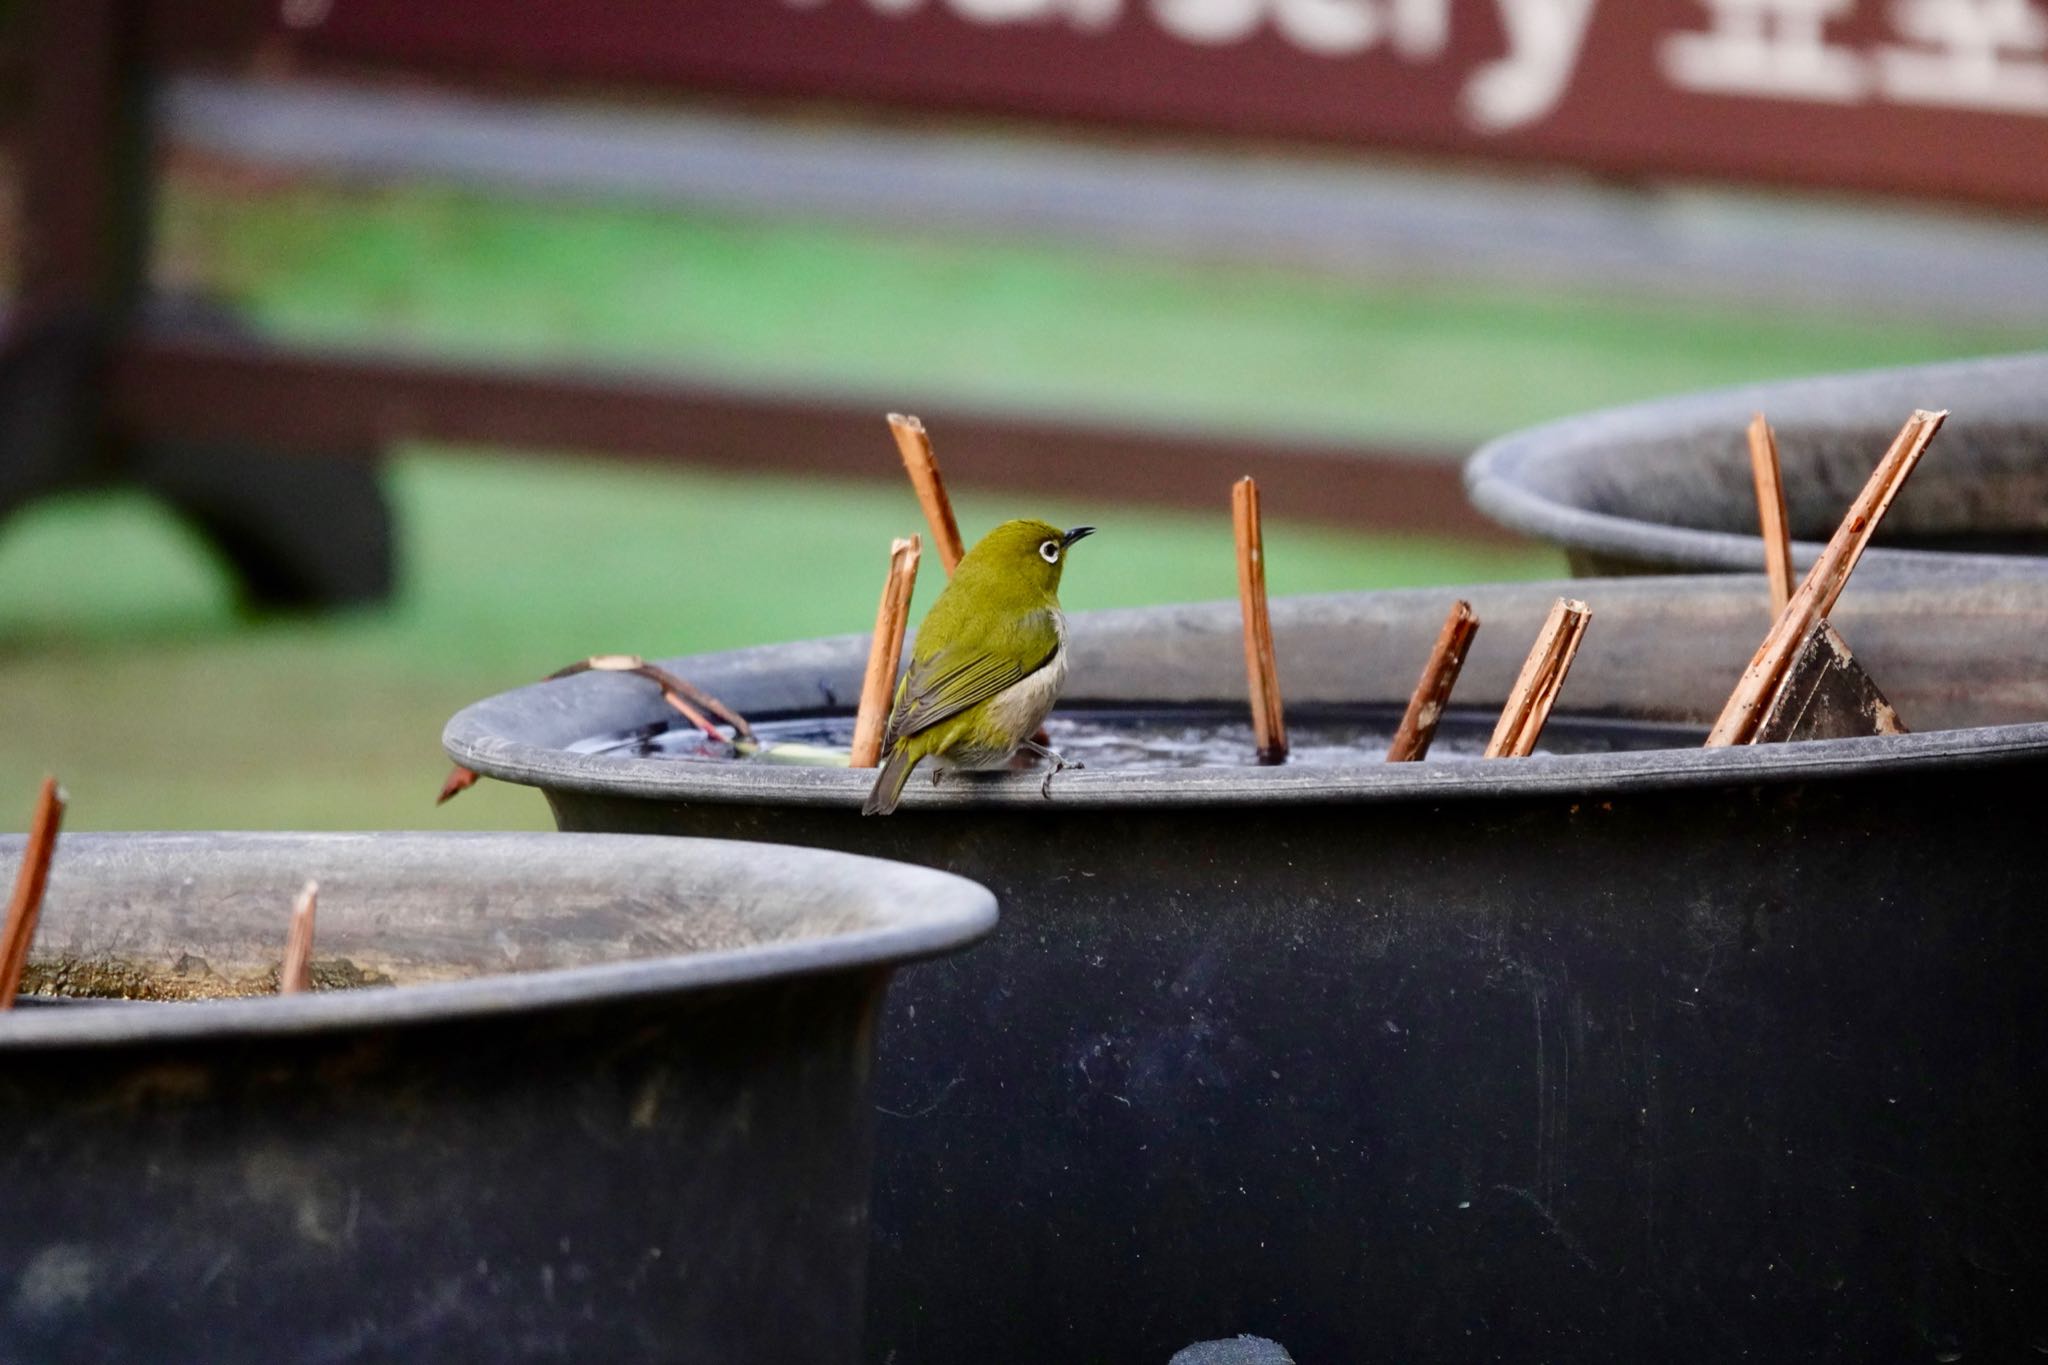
[(1024, 552)]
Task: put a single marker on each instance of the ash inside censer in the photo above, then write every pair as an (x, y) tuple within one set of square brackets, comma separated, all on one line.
[(189, 978)]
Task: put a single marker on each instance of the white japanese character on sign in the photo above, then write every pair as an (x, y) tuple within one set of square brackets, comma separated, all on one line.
[(1971, 54), (1768, 47)]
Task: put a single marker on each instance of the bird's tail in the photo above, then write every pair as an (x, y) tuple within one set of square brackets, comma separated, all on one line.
[(888, 788)]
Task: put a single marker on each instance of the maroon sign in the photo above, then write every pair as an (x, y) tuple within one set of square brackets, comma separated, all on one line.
[(1941, 98)]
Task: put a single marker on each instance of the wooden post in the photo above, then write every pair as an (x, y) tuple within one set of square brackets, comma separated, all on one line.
[(85, 166), (296, 972), (26, 905), (1269, 722), (1817, 595), (885, 652), (1770, 510), (914, 444), (1439, 675), (1536, 688)]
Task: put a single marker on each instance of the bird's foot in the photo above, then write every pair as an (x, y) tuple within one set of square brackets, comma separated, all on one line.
[(938, 771), (1059, 765)]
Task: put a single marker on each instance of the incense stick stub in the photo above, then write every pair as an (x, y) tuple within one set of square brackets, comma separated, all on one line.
[(1770, 510), (459, 780), (1542, 677), (914, 444), (25, 907), (1817, 594), (1269, 723), (885, 653), (1433, 690), (296, 973)]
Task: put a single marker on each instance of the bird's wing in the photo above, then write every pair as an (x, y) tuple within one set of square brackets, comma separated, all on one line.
[(949, 682)]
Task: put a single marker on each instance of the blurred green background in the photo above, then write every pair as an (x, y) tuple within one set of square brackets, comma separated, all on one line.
[(126, 668)]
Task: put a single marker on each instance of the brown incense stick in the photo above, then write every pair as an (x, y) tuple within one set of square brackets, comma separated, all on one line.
[(1816, 596), (296, 974), (1578, 617), (914, 444), (1770, 510), (1269, 723), (1439, 675), (878, 687), (459, 780), (26, 905), (1542, 676)]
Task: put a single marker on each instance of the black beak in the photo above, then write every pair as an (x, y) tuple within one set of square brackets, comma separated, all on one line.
[(1069, 537)]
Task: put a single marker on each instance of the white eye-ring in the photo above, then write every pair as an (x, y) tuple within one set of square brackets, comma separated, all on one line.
[(1049, 551)]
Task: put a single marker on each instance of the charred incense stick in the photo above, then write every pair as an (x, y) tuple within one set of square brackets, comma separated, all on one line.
[(1770, 510), (675, 689), (296, 973), (681, 694), (914, 444), (1536, 689), (634, 664), (27, 902), (1439, 676), (1269, 722), (1824, 582), (878, 687)]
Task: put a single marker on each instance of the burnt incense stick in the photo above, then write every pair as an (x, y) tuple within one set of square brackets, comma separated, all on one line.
[(1817, 595), (1439, 675), (682, 695), (914, 444), (885, 652), (296, 972), (1269, 722), (676, 690), (1542, 676), (25, 907), (1770, 510), (662, 678)]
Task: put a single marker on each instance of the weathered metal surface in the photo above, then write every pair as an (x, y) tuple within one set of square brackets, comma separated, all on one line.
[(1856, 93), (1666, 485), (1680, 1055), (597, 1099), (1826, 694)]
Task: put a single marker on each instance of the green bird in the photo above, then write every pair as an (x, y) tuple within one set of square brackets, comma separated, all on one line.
[(988, 663)]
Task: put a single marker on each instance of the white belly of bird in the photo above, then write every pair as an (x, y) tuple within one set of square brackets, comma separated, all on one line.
[(1022, 707)]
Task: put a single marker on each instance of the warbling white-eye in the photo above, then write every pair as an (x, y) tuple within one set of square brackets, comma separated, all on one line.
[(987, 664)]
